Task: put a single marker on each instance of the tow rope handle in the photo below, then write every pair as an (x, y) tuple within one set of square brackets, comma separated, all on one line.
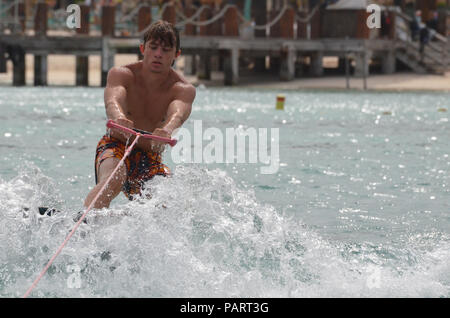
[(142, 133)]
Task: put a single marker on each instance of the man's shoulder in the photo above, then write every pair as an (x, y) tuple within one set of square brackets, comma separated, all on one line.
[(182, 85), (124, 74)]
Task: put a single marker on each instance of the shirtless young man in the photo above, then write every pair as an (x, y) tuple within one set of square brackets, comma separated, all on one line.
[(148, 95)]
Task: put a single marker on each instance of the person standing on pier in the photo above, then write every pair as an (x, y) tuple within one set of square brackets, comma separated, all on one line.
[(148, 95)]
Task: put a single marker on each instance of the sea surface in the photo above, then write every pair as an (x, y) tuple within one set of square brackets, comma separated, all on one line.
[(359, 205)]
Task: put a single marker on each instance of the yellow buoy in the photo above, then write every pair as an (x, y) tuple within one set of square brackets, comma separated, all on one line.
[(280, 102)]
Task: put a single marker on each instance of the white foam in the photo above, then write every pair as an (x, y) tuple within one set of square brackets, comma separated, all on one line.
[(200, 235)]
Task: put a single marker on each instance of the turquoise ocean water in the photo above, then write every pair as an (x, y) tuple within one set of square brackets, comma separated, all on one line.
[(360, 205)]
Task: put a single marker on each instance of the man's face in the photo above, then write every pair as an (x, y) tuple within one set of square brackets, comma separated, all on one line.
[(158, 56)]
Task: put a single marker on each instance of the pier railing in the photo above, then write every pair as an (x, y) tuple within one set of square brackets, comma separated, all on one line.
[(294, 41), (204, 20)]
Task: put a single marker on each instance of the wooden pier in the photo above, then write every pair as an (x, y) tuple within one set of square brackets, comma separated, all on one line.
[(288, 43)]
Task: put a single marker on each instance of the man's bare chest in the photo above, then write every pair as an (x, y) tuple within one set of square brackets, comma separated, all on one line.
[(148, 106)]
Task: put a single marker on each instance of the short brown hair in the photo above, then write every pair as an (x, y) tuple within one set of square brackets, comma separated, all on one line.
[(164, 32)]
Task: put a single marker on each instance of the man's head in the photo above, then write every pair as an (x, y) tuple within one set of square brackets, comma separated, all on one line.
[(161, 45)]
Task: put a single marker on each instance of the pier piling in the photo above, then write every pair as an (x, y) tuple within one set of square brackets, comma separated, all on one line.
[(82, 62), (41, 60)]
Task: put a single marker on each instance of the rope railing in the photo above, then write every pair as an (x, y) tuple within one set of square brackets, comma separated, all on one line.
[(128, 17), (193, 20), (221, 13), (193, 17), (269, 24), (308, 17), (159, 17), (163, 9), (215, 18)]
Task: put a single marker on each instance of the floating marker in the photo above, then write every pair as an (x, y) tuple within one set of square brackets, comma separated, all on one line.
[(280, 102)]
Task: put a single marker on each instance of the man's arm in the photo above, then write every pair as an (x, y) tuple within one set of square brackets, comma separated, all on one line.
[(177, 113), (115, 98), (180, 109)]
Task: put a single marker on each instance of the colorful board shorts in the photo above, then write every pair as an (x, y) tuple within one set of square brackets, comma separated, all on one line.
[(141, 165)]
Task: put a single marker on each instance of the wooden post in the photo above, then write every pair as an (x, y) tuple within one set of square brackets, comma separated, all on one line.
[(259, 16), (108, 21), (231, 67), (107, 60), (393, 29), (362, 31), (316, 64), (366, 68), (287, 67), (315, 25), (216, 27), (22, 16), (169, 14), (274, 64), (231, 22), (446, 46), (82, 71), (216, 30), (144, 17), (144, 20), (40, 70), (204, 16), (283, 28), (362, 64), (287, 24), (40, 61), (17, 54), (204, 66), (302, 28), (347, 70), (2, 58), (389, 62), (190, 64), (189, 29), (190, 61), (40, 21), (82, 62), (84, 23)]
